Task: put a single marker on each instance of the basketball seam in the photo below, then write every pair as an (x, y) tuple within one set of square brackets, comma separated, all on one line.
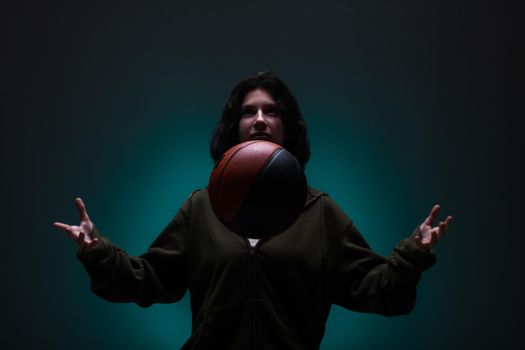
[(268, 162)]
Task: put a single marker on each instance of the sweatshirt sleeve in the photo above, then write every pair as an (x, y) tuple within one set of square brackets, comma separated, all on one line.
[(157, 276), (363, 281)]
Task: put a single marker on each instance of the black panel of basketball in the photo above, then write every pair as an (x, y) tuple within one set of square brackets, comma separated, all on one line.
[(275, 200)]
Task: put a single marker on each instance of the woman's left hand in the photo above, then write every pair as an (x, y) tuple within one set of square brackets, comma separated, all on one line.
[(431, 235)]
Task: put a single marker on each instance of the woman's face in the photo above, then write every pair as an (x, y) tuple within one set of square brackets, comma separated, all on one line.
[(260, 119)]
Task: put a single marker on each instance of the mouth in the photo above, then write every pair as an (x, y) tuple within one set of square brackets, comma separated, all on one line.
[(260, 136)]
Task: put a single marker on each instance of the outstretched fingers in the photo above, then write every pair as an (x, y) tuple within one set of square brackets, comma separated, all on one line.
[(82, 234), (70, 230), (433, 215), (443, 226), (81, 209), (62, 226)]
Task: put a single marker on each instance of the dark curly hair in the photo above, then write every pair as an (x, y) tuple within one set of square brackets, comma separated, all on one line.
[(226, 133)]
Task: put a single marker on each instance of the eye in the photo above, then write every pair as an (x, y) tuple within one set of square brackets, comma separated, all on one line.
[(271, 111), (247, 112)]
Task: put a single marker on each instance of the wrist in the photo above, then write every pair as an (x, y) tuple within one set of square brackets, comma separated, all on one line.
[(420, 244)]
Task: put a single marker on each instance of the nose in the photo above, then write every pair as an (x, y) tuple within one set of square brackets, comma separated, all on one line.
[(260, 122)]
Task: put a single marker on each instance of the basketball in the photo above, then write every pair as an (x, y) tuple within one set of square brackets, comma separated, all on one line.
[(257, 189)]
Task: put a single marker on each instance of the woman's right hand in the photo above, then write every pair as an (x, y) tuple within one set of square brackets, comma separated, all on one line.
[(82, 234)]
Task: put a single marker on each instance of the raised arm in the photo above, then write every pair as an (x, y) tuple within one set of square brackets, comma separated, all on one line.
[(158, 276), (366, 282)]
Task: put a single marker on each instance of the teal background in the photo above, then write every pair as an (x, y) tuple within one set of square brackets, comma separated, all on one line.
[(408, 104)]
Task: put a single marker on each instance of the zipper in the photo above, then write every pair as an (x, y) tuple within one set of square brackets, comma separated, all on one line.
[(251, 291)]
